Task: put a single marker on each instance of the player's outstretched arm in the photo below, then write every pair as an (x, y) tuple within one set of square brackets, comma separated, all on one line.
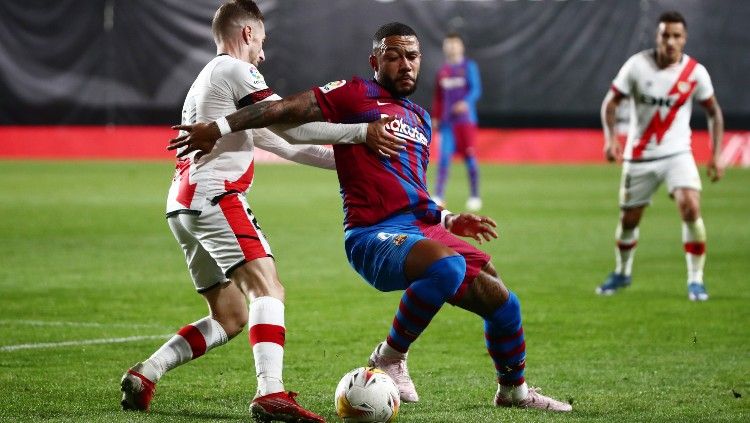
[(612, 149), (298, 108), (715, 118), (481, 228)]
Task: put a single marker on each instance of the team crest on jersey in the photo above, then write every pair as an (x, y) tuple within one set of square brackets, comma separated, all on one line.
[(397, 239), (332, 86)]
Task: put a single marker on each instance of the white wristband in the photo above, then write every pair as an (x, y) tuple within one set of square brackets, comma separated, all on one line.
[(443, 217), (223, 125)]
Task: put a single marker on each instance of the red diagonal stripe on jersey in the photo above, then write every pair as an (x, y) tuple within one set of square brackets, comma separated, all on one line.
[(243, 182), (659, 126), (195, 339), (186, 190), (267, 333)]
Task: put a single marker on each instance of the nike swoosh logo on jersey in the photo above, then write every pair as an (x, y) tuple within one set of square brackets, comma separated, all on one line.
[(382, 104)]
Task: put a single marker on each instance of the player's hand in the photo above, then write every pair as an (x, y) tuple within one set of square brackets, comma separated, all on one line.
[(382, 142), (714, 171), (460, 107), (481, 228), (199, 137), (613, 152)]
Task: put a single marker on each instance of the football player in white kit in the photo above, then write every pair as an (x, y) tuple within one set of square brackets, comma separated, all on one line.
[(227, 255), (661, 83)]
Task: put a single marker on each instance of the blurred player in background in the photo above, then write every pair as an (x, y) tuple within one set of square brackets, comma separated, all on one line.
[(662, 83), (457, 89), (227, 254), (396, 237)]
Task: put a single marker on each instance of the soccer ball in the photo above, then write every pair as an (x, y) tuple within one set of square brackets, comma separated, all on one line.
[(367, 395)]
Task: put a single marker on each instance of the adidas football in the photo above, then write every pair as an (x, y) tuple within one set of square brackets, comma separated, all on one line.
[(367, 394)]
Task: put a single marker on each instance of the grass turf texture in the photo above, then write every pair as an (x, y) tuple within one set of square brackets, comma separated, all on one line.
[(87, 242)]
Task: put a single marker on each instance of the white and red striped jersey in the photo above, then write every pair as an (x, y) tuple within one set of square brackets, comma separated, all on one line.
[(661, 103), (224, 85)]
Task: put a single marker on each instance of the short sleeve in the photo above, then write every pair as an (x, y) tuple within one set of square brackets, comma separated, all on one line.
[(623, 82), (704, 89), (247, 84), (338, 99)]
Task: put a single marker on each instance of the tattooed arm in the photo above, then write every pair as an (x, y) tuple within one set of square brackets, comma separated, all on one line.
[(298, 108)]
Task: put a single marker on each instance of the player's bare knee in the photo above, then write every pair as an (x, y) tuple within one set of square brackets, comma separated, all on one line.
[(631, 217), (258, 278), (689, 210), (484, 295)]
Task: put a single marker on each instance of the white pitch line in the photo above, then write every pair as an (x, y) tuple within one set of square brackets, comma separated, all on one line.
[(8, 348), (11, 322)]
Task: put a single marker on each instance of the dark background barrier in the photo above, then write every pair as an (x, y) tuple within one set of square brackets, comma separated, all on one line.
[(544, 63)]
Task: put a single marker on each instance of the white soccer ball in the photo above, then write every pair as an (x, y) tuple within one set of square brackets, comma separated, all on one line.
[(367, 395)]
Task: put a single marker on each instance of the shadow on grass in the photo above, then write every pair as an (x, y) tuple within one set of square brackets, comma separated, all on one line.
[(201, 415)]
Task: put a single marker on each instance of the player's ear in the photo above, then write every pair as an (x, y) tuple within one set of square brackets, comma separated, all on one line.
[(374, 62), (247, 34)]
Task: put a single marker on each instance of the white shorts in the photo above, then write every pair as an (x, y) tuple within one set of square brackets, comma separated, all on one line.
[(221, 238), (640, 180)]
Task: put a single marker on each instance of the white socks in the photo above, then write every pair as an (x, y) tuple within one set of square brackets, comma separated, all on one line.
[(626, 240), (389, 351), (190, 342), (513, 393), (694, 241), (267, 334)]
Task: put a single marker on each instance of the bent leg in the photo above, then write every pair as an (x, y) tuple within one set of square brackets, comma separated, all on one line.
[(435, 273), (488, 297)]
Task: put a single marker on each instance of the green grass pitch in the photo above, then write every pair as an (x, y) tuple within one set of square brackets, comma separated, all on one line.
[(87, 256)]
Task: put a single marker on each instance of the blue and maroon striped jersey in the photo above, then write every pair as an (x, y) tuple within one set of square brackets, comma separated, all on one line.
[(456, 82), (374, 188)]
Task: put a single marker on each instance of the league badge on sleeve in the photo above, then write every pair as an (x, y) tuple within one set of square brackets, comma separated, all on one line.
[(256, 76), (332, 86)]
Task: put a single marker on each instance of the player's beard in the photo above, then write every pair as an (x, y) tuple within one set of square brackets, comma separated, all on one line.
[(390, 85)]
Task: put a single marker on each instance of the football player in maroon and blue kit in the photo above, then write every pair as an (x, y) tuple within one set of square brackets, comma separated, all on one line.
[(396, 237)]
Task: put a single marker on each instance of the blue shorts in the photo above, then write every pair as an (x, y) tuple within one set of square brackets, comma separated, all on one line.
[(378, 252)]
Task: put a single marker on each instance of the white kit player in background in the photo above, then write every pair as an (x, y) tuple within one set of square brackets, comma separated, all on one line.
[(661, 84), (228, 256)]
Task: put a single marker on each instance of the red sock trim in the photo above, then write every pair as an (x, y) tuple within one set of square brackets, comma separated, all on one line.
[(195, 339), (401, 330), (499, 355), (407, 314), (501, 339), (267, 333), (626, 245), (697, 248)]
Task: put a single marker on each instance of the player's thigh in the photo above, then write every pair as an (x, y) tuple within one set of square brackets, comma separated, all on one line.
[(378, 253), (204, 270), (230, 232), (466, 134), (638, 183), (682, 172)]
